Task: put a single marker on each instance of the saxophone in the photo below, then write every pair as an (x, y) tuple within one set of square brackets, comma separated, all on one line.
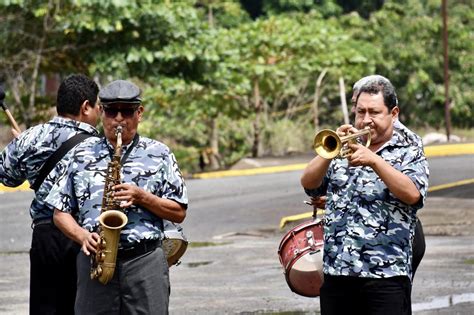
[(111, 221)]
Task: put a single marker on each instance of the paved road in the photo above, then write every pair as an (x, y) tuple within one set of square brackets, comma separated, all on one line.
[(232, 265)]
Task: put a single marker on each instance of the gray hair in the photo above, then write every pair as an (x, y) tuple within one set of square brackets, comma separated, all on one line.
[(377, 83), (367, 80)]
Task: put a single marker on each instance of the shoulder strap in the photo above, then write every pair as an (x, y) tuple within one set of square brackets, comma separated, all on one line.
[(56, 157)]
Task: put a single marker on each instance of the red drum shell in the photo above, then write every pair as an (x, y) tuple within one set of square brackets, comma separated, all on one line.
[(301, 255)]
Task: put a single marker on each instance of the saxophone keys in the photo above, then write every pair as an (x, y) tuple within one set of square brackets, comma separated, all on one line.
[(101, 257), (102, 243), (96, 272)]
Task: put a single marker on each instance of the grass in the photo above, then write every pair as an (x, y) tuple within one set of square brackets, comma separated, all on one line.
[(207, 244), (469, 261)]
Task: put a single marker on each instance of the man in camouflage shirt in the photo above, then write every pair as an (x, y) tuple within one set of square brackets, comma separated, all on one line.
[(370, 214), (419, 245), (52, 255), (152, 190)]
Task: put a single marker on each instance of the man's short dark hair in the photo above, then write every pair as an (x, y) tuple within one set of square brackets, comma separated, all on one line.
[(385, 87), (73, 91)]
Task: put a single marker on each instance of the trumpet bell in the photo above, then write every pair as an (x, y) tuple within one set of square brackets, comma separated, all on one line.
[(327, 144)]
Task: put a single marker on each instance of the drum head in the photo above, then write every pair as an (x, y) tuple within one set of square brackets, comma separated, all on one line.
[(305, 275), (174, 249), (174, 242)]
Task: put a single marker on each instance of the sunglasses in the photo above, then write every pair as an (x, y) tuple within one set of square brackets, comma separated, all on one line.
[(111, 112)]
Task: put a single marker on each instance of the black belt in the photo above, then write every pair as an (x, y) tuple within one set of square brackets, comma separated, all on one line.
[(41, 222), (138, 249)]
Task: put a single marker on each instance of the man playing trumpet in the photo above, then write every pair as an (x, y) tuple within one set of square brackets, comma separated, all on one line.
[(370, 215), (152, 189)]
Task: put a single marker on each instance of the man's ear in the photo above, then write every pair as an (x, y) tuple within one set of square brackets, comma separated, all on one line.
[(141, 109), (85, 107), (395, 111)]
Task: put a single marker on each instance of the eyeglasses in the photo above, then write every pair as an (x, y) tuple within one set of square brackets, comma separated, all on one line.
[(111, 112)]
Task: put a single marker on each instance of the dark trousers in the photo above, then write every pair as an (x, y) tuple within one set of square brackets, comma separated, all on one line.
[(341, 295), (52, 272), (419, 246), (140, 285)]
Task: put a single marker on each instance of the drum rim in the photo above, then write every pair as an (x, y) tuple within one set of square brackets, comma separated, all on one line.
[(298, 229)]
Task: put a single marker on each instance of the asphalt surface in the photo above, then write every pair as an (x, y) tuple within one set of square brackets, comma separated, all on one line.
[(238, 272)]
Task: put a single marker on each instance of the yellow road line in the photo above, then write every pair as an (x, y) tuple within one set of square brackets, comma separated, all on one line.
[(23, 187), (449, 149), (430, 151), (298, 217), (253, 171), (307, 215), (451, 185)]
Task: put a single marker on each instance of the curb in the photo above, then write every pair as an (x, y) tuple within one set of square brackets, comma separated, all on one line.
[(430, 151)]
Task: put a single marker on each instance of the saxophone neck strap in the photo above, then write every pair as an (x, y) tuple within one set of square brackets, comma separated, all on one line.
[(129, 150)]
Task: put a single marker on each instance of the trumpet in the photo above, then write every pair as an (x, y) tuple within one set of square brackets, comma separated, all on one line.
[(328, 144)]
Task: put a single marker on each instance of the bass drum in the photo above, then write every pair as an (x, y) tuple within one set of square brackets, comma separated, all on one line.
[(301, 255), (174, 242)]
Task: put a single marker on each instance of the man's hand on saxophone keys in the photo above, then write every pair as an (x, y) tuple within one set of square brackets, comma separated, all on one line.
[(127, 194), (89, 242)]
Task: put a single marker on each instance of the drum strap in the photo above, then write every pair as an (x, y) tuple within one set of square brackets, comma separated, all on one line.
[(56, 157)]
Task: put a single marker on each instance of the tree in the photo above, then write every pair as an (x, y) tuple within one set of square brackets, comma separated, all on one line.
[(408, 33)]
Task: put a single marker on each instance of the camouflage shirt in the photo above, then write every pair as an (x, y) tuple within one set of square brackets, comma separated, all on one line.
[(23, 157), (150, 165), (368, 232)]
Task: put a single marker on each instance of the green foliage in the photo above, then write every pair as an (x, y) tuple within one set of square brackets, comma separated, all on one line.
[(410, 35), (286, 136), (198, 63), (326, 8)]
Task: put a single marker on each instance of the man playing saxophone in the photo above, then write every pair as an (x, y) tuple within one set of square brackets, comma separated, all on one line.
[(152, 189), (372, 198)]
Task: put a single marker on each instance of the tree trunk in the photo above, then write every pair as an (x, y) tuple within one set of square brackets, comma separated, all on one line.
[(30, 111), (256, 147), (342, 93), (317, 94), (214, 156), (447, 109)]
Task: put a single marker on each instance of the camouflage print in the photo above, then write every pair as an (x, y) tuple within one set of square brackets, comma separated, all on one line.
[(23, 157), (368, 231), (150, 165)]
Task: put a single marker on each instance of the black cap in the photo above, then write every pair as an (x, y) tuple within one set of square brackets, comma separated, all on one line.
[(120, 91)]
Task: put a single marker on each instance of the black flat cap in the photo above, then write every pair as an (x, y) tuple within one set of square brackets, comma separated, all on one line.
[(120, 91)]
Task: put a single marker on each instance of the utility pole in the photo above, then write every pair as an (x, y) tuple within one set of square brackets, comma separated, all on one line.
[(447, 112)]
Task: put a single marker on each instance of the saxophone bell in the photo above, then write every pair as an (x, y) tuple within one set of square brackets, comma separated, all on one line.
[(111, 223)]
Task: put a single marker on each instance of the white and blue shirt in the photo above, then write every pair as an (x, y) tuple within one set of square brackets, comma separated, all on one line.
[(23, 158), (149, 164), (368, 232)]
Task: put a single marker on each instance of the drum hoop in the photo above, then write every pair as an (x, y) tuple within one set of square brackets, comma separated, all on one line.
[(299, 228), (306, 224)]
